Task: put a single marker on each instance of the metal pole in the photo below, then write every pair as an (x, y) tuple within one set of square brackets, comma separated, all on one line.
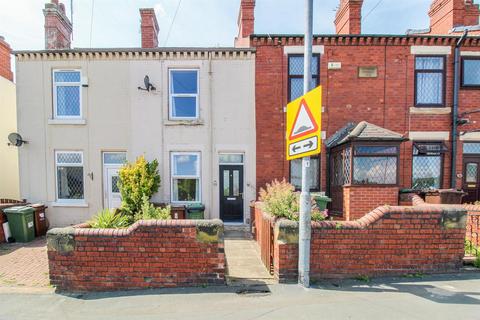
[(305, 227)]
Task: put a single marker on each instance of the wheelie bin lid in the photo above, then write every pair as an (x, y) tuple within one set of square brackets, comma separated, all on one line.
[(195, 207), (19, 210)]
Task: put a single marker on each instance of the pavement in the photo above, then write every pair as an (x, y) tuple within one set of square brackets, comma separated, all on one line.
[(429, 297), (24, 264)]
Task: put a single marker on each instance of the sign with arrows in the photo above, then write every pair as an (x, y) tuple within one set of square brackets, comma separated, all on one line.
[(304, 120)]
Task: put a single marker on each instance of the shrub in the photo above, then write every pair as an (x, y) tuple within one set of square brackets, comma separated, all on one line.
[(109, 219), (137, 180), (149, 212), (280, 200)]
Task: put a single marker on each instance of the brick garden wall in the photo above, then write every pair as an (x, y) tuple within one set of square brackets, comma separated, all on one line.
[(360, 199), (149, 254), (387, 241)]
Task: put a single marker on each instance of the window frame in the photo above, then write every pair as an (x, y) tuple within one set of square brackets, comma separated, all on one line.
[(442, 158), (171, 95), (462, 73), (56, 84), (374, 155), (290, 77), (82, 164), (315, 189), (198, 176), (444, 79)]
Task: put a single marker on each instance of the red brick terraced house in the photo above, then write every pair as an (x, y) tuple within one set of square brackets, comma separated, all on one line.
[(388, 105)]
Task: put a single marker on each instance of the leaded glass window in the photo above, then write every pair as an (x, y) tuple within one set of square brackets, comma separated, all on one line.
[(471, 72), (471, 147), (427, 165), (69, 172), (429, 80), (313, 177), (67, 94), (295, 75), (375, 165)]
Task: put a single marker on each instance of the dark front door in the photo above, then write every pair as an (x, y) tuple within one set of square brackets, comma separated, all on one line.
[(471, 171), (231, 193)]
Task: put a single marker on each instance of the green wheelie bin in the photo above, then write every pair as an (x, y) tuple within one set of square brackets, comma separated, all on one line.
[(20, 221), (195, 211)]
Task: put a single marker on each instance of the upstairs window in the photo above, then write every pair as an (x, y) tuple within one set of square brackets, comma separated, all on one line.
[(296, 173), (471, 72), (429, 81), (69, 171), (67, 94), (185, 177), (427, 165), (295, 75), (183, 95), (375, 165)]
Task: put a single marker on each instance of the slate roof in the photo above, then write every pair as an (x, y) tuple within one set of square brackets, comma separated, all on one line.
[(363, 131)]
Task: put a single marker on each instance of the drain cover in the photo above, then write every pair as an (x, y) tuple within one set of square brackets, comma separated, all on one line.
[(253, 291)]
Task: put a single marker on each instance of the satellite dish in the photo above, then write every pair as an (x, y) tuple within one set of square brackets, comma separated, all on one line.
[(148, 85), (15, 140)]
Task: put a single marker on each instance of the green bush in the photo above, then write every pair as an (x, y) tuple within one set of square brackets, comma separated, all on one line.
[(149, 212), (137, 180), (109, 219), (280, 200)]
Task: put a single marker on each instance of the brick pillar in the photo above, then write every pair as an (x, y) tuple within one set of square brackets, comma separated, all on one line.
[(448, 14), (149, 26), (348, 19), (5, 53), (246, 23), (58, 28)]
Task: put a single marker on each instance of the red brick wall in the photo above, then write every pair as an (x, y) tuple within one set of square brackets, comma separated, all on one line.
[(358, 200), (384, 101), (348, 19), (387, 241), (58, 28), (149, 254), (447, 14), (5, 62), (149, 28), (473, 224)]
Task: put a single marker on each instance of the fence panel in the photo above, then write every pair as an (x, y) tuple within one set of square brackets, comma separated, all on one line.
[(473, 226), (264, 236)]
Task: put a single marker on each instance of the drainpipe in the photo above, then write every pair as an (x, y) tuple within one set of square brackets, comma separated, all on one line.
[(456, 89)]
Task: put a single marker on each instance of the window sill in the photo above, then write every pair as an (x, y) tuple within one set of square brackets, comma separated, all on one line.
[(67, 121), (426, 110), (196, 122), (70, 204)]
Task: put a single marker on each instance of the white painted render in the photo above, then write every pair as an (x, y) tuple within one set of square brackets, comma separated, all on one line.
[(119, 117), (431, 50)]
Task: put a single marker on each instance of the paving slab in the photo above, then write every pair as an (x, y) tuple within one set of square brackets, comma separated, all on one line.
[(24, 264)]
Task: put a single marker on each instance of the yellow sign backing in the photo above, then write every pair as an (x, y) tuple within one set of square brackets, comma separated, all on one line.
[(304, 122)]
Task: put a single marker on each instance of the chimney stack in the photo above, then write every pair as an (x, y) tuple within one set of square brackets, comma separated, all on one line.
[(5, 55), (348, 19), (58, 28), (246, 23), (448, 14), (149, 28)]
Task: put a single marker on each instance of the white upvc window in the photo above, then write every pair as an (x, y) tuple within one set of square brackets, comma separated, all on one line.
[(69, 176), (183, 94), (67, 94), (185, 177)]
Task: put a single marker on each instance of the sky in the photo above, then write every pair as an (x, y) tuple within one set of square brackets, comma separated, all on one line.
[(198, 23)]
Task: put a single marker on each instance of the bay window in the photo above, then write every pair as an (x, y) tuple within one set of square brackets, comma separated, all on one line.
[(375, 165)]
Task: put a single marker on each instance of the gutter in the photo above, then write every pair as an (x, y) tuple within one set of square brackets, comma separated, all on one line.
[(456, 91)]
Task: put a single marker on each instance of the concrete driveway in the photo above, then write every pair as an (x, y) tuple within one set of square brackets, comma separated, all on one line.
[(430, 297)]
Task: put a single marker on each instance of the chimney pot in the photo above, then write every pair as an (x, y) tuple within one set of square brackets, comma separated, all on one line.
[(149, 28), (348, 19)]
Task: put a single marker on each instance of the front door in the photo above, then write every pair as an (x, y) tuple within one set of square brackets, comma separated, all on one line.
[(231, 193), (112, 192), (471, 171)]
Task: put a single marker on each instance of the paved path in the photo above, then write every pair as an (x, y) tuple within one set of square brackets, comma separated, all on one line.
[(24, 265), (446, 297), (244, 266)]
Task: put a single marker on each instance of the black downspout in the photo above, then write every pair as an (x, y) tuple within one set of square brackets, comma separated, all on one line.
[(327, 178), (456, 89)]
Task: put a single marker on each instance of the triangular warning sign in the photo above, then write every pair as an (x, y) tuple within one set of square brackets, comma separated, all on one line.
[(304, 122)]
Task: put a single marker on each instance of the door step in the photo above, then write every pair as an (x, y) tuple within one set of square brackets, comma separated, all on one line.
[(237, 231)]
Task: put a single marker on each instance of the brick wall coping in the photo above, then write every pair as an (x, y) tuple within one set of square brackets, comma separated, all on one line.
[(210, 227), (452, 217)]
